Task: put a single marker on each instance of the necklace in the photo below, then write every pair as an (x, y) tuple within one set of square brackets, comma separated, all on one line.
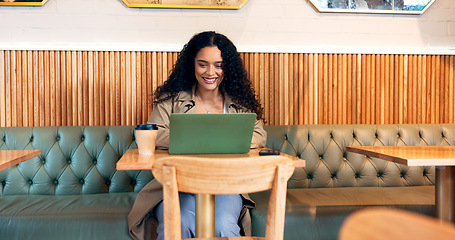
[(208, 110)]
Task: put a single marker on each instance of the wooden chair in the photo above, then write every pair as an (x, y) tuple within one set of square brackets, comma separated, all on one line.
[(224, 175), (390, 224)]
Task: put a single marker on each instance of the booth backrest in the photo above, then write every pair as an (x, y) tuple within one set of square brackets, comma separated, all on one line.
[(81, 160), (73, 160), (329, 165)]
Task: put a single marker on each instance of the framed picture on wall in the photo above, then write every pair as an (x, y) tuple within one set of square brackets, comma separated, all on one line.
[(203, 4), (22, 2), (373, 6)]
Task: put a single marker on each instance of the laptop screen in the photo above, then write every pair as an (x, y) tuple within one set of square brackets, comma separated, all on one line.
[(194, 133)]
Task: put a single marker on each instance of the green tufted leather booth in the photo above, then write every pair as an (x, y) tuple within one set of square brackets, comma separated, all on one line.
[(73, 191), (335, 183)]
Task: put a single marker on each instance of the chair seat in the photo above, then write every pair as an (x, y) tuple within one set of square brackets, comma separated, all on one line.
[(387, 223)]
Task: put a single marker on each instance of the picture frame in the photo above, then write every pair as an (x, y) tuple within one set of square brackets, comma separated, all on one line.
[(415, 7), (22, 2), (195, 4)]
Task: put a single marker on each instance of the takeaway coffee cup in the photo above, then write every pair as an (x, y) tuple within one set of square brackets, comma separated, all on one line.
[(146, 138)]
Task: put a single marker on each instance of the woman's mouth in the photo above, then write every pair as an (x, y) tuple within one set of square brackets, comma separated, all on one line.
[(210, 80)]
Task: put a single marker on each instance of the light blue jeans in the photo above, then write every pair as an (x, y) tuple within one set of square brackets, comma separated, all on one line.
[(227, 213)]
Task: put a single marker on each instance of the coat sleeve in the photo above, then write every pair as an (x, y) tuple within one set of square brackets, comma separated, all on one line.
[(160, 117), (259, 135)]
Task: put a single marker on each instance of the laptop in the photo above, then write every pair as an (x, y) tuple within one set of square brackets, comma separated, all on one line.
[(195, 133)]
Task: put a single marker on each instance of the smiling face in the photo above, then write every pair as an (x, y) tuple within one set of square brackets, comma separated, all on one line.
[(208, 68)]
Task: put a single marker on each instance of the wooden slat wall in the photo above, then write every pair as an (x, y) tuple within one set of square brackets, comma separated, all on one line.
[(49, 88)]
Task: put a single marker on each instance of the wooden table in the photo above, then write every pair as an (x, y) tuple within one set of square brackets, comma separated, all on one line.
[(442, 157), (205, 204), (9, 158)]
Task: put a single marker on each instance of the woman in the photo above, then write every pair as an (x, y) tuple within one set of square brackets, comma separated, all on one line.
[(208, 77)]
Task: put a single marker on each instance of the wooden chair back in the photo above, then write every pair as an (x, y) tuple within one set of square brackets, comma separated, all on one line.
[(201, 174), (393, 224)]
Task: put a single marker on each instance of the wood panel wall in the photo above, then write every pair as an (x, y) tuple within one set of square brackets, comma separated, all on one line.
[(49, 88)]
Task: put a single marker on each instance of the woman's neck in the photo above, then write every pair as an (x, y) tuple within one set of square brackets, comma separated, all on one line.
[(208, 96), (209, 102)]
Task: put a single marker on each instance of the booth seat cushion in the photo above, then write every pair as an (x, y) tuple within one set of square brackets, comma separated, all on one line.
[(55, 216), (318, 213)]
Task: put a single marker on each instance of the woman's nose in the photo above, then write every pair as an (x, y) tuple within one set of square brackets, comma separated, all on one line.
[(211, 70)]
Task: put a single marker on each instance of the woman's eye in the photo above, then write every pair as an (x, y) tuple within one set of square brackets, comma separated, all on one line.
[(202, 65), (219, 66)]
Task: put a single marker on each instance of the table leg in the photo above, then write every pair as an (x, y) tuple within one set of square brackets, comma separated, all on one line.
[(445, 193), (205, 215)]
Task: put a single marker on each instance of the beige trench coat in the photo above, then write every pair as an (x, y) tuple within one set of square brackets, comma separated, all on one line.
[(141, 225)]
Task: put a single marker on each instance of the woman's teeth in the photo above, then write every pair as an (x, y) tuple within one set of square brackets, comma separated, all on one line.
[(210, 80)]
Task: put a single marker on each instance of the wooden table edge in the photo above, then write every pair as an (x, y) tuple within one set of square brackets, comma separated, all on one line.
[(369, 153), (148, 166), (411, 162), (32, 153)]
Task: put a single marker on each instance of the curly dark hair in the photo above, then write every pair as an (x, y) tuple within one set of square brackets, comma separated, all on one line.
[(235, 82)]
